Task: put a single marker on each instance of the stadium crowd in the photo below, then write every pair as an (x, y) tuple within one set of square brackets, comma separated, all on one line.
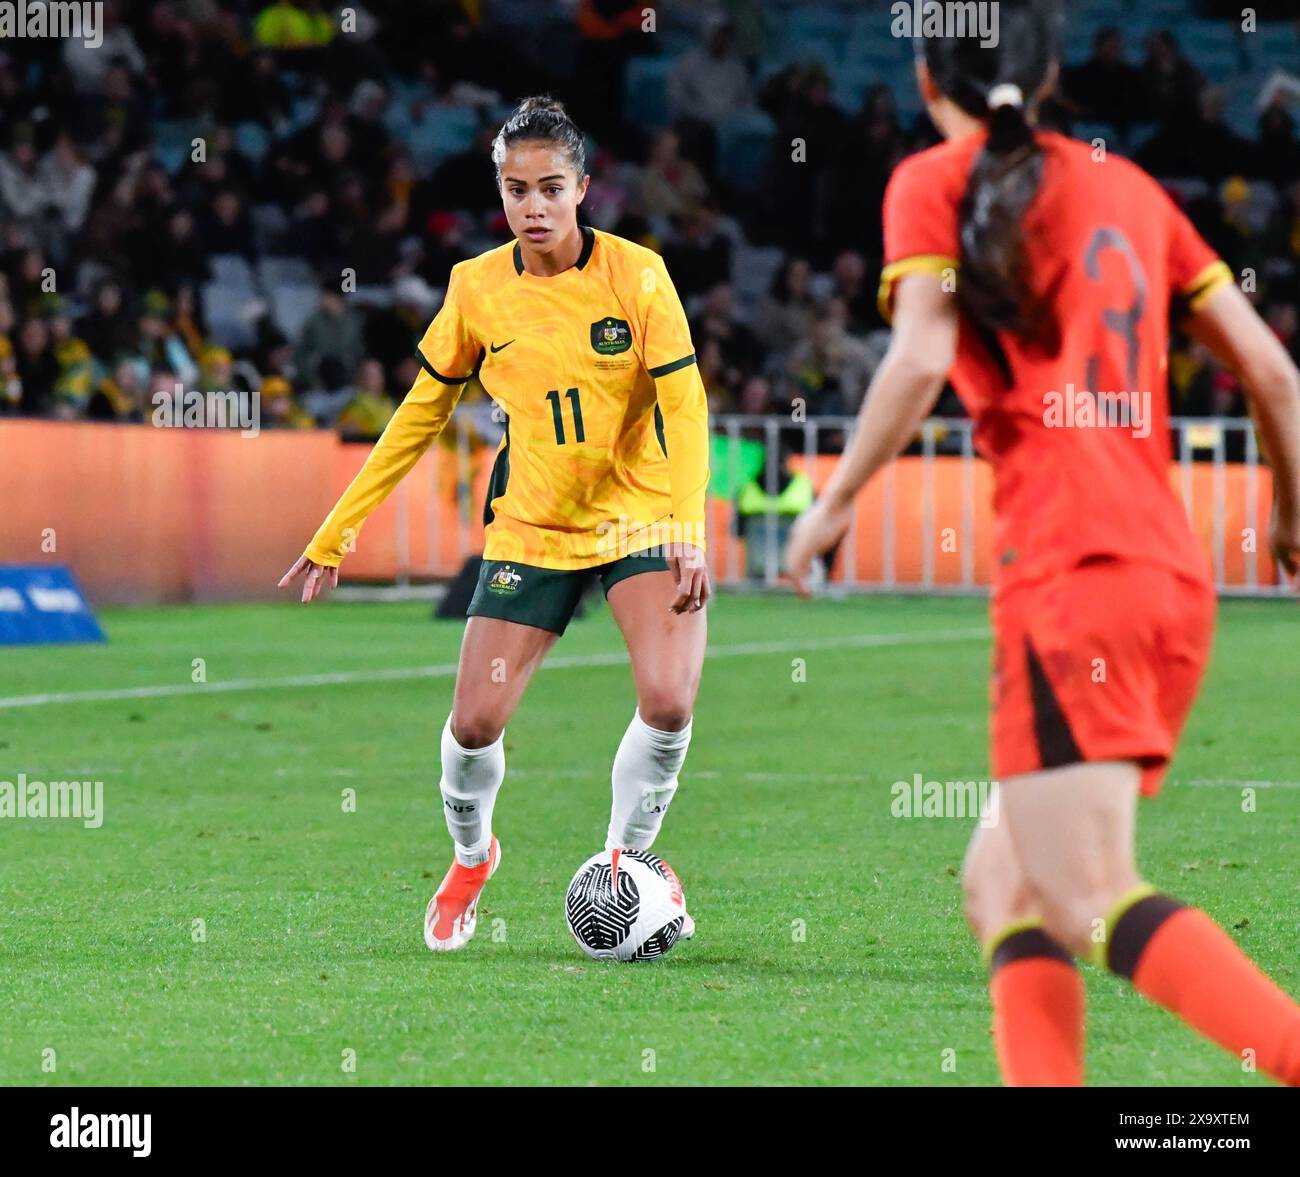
[(232, 196)]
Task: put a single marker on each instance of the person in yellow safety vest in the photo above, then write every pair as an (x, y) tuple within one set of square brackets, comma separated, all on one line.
[(753, 507)]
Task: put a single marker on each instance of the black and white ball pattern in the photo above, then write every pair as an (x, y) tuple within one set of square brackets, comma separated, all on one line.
[(625, 905)]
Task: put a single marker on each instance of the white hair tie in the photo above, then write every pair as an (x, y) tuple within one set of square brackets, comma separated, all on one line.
[(1005, 94)]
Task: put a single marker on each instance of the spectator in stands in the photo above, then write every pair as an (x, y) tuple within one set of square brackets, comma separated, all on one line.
[(280, 409), (25, 274), (228, 228), (713, 372), (1105, 88), (21, 189), (698, 255), (858, 295), (670, 185), (161, 344), (288, 26), (607, 194), (332, 331), (705, 85), (783, 314), (36, 366), (180, 258), (609, 33), (709, 82), (392, 333), (1283, 318), (363, 418), (315, 235), (11, 385), (806, 160), (88, 64), (830, 368), (465, 180), (108, 329), (126, 395), (740, 353), (1171, 84), (77, 366), (1278, 153)]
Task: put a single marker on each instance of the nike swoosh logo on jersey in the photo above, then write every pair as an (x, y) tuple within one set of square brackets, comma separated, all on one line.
[(503, 347)]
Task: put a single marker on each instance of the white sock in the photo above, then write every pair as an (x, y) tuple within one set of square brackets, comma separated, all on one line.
[(471, 778), (645, 779)]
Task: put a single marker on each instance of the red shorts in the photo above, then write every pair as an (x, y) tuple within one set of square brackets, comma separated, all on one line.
[(1100, 663)]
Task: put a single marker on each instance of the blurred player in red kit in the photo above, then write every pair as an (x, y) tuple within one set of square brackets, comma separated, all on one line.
[(1039, 277)]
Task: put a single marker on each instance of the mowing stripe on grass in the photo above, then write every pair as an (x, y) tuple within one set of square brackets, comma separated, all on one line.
[(448, 670)]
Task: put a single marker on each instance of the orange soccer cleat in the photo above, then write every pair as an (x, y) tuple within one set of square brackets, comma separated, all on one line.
[(453, 910)]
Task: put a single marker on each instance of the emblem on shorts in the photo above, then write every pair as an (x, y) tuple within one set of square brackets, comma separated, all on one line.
[(609, 336), (504, 580)]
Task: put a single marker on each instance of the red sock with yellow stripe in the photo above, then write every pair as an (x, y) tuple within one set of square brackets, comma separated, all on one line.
[(1038, 1008), (1181, 959)]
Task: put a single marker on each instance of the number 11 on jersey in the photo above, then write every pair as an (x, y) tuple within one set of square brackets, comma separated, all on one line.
[(554, 397)]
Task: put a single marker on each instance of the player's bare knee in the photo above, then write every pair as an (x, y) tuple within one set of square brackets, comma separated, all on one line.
[(1073, 920), (476, 729), (992, 897), (666, 710)]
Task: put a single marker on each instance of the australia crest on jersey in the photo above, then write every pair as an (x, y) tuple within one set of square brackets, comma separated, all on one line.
[(609, 336)]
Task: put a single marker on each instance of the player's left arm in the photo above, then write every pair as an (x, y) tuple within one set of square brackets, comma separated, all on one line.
[(902, 394), (683, 405)]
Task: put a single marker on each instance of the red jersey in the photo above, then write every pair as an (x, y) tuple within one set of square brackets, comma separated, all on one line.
[(1079, 438)]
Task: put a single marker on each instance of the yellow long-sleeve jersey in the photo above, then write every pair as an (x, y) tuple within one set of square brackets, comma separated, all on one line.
[(607, 437)]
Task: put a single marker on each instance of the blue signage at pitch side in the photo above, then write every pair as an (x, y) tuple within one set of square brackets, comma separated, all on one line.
[(41, 603)]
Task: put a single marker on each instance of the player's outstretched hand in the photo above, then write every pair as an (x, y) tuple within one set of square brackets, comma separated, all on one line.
[(814, 533), (691, 575), (318, 576), (1284, 539)]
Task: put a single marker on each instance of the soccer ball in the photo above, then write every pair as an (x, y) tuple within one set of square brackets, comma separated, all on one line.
[(625, 905)]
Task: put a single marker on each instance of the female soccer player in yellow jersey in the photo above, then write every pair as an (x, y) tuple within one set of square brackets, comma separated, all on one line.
[(580, 338)]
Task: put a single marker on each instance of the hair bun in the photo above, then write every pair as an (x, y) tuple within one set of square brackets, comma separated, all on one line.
[(541, 103)]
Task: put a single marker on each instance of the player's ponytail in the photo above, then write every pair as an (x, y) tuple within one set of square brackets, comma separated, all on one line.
[(997, 83), (541, 119)]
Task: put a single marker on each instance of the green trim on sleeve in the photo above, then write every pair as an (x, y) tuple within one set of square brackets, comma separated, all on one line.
[(428, 367), (674, 366)]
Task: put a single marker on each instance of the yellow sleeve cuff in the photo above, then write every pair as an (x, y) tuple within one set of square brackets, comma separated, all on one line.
[(1214, 277), (924, 263)]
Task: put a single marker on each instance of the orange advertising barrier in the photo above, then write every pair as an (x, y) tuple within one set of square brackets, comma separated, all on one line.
[(143, 514)]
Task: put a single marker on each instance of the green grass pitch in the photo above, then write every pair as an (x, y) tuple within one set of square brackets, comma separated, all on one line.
[(831, 947)]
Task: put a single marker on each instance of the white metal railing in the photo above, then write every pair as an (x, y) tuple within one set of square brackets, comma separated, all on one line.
[(1226, 447), (1218, 472)]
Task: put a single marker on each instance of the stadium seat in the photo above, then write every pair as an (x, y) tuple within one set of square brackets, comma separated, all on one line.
[(1219, 63), (852, 80), (1108, 132), (815, 24), (232, 271), (439, 132), (754, 268), (291, 305), (645, 96), (1275, 46), (804, 50), (273, 272), (227, 312), (744, 140)]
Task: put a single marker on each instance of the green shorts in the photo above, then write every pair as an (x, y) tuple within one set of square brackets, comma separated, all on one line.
[(547, 597)]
